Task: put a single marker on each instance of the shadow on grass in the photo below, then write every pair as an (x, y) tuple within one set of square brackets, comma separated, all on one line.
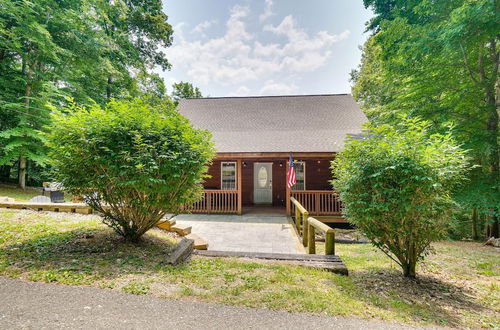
[(426, 299), (82, 256)]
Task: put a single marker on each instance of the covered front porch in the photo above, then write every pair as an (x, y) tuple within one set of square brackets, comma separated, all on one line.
[(255, 183)]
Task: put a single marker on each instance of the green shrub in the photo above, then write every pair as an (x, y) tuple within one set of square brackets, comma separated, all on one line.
[(396, 185), (133, 162)]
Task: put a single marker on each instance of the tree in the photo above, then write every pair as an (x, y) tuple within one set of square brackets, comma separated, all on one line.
[(133, 162), (131, 38), (88, 50), (184, 90), (396, 184), (35, 39), (439, 61)]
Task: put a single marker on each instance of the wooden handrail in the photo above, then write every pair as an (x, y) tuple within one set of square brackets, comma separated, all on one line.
[(301, 216), (298, 205), (309, 227), (314, 225), (219, 191), (320, 226)]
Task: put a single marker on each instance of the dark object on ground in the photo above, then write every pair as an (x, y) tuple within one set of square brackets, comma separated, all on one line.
[(181, 252), (56, 191), (57, 197), (330, 263)]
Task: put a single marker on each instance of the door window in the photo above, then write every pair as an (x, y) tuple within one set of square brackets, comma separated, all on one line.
[(262, 177)]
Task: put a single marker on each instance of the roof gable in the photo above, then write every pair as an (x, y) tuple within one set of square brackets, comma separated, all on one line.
[(302, 123)]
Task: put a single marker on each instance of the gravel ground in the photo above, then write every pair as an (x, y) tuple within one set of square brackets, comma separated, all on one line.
[(26, 305)]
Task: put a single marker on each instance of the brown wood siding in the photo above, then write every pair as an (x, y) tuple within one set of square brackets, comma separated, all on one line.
[(214, 181), (318, 175)]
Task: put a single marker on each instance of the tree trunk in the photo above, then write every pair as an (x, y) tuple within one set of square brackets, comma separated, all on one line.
[(492, 228), (493, 103), (409, 269), (22, 172), (108, 87), (27, 94), (492, 128), (474, 224)]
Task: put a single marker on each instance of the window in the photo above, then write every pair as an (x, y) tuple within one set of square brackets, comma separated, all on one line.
[(228, 175), (300, 175)]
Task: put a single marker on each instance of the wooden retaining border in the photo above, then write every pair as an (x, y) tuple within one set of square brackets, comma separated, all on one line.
[(331, 263), (53, 207)]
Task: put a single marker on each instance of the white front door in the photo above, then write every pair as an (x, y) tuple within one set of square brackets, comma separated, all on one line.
[(263, 183)]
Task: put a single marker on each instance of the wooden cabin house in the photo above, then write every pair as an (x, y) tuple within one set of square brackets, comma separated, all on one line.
[(254, 137)]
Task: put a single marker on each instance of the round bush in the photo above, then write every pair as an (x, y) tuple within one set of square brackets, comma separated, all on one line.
[(396, 184), (132, 162)]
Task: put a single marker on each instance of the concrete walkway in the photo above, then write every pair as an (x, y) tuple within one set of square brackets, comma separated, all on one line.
[(241, 233), (26, 305)]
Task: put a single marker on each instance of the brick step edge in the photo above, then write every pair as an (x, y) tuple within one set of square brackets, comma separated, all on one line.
[(199, 243), (166, 225), (182, 230)]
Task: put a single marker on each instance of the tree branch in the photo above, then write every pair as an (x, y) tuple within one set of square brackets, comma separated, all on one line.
[(466, 62)]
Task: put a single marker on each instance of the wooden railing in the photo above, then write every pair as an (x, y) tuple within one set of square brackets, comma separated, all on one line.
[(318, 202), (312, 226), (307, 227), (217, 201), (301, 216)]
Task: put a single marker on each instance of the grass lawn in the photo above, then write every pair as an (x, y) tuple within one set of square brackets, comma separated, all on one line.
[(19, 195), (458, 285)]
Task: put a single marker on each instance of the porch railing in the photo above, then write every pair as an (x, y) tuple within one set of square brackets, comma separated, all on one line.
[(318, 202), (216, 201), (307, 227)]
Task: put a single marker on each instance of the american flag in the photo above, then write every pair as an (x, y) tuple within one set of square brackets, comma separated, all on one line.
[(290, 182)]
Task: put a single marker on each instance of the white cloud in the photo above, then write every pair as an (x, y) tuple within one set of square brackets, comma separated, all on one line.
[(241, 91), (203, 26), (236, 29), (236, 58), (276, 88), (178, 28), (268, 11)]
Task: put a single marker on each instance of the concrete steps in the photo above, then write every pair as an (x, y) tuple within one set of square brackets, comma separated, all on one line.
[(185, 231), (166, 225), (180, 229), (199, 243)]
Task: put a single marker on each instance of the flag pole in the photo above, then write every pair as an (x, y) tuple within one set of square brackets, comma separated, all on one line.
[(287, 193)]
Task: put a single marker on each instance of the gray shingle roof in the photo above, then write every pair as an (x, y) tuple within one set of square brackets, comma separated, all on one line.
[(302, 123)]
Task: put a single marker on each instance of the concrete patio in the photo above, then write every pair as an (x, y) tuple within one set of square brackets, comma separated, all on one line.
[(246, 233)]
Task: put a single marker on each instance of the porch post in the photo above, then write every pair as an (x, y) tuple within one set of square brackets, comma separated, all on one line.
[(238, 184), (287, 193)]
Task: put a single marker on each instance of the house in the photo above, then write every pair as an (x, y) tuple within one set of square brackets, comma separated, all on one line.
[(254, 137)]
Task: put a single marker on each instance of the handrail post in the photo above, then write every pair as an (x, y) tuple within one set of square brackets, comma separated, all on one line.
[(330, 243), (209, 202), (305, 225), (238, 173), (311, 244), (297, 220), (317, 198)]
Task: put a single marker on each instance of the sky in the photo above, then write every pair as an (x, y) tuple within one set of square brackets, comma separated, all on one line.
[(265, 47)]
